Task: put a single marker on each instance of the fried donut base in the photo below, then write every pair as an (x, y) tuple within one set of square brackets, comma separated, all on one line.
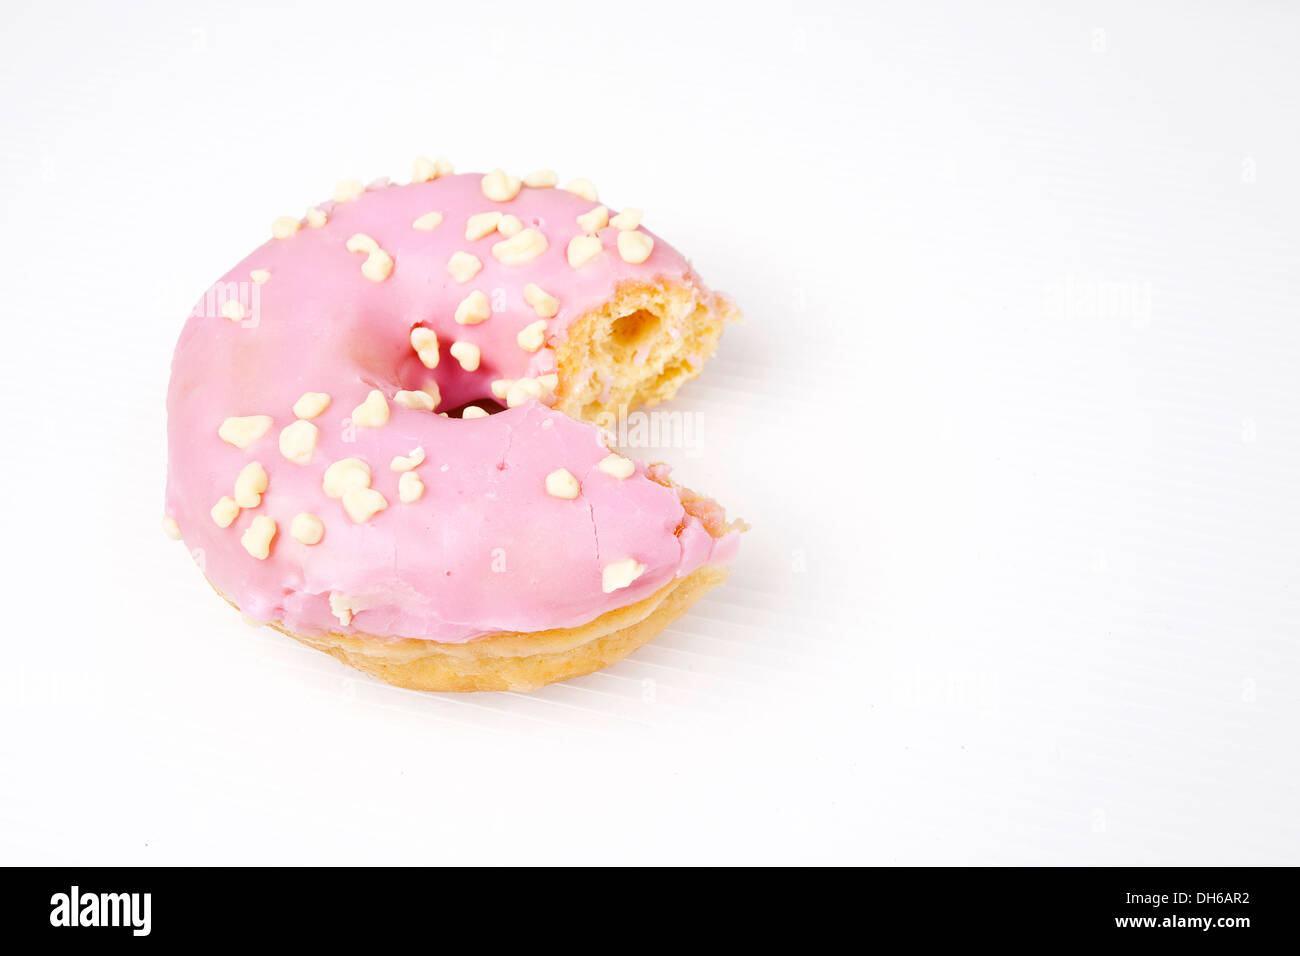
[(638, 348), (516, 661)]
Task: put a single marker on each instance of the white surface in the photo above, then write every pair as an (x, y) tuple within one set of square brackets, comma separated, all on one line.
[(1022, 584)]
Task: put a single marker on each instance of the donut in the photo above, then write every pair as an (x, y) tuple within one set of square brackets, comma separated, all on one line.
[(389, 431)]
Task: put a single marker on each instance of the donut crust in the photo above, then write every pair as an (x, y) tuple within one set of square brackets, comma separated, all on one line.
[(516, 661)]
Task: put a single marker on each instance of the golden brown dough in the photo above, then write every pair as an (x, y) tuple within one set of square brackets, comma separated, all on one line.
[(519, 662)]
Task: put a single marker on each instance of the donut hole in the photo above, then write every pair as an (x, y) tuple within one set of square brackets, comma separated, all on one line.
[(455, 388)]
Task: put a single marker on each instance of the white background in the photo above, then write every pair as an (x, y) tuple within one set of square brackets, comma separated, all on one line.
[(1013, 415)]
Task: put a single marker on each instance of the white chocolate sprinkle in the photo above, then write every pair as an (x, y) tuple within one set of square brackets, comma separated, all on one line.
[(224, 512), (629, 218), (243, 431), (500, 387), (171, 528), (428, 222), (522, 247), (316, 217), (250, 484), (307, 528), (616, 466), (583, 188), (234, 310), (423, 170), (582, 249), (425, 343), (378, 266), (481, 224), (619, 574), (541, 179), (311, 404), (409, 487), (343, 607), (510, 226), (532, 336), (473, 411), (344, 474), (467, 354), (257, 539), (473, 309), (298, 441), (362, 504), (373, 412), (634, 247), (549, 383), (259, 276), (543, 303), (561, 484), (463, 266), (499, 187), (360, 242), (348, 189), (594, 220), (416, 401), (521, 390), (284, 227), (408, 462)]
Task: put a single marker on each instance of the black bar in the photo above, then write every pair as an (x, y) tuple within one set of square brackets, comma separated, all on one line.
[(335, 906)]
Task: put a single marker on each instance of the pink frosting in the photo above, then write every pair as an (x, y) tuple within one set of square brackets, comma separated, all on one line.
[(485, 548)]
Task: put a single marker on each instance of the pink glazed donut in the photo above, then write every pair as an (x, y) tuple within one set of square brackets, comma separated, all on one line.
[(385, 431)]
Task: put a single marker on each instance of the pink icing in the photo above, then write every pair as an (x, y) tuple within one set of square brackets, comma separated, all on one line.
[(485, 549)]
